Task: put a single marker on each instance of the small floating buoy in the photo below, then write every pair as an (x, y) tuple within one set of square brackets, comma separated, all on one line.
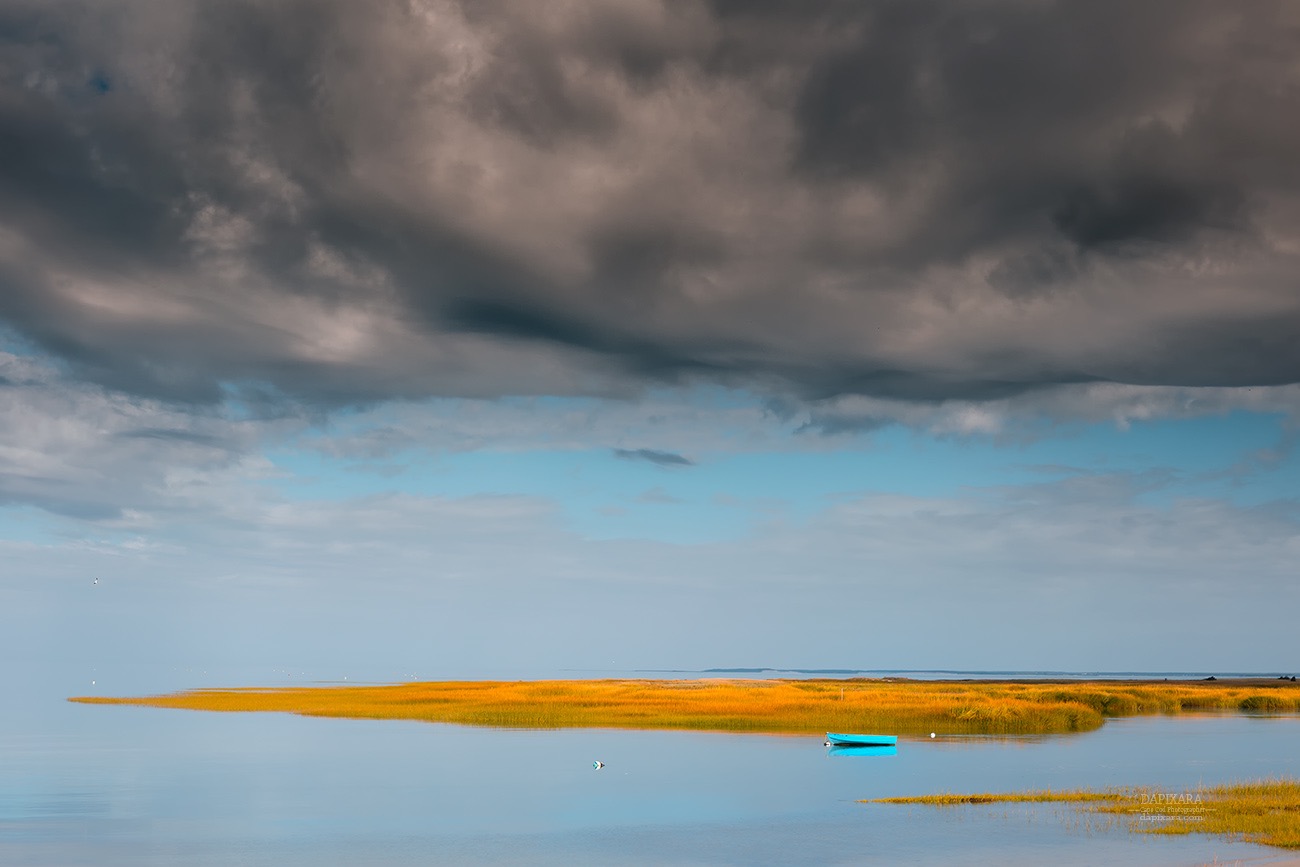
[(598, 765), (931, 734)]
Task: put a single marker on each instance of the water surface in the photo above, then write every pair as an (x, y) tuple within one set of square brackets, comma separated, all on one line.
[(85, 784)]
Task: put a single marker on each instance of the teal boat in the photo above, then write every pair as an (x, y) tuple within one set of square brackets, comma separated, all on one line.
[(833, 739)]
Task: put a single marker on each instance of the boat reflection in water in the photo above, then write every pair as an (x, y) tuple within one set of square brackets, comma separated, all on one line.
[(841, 750)]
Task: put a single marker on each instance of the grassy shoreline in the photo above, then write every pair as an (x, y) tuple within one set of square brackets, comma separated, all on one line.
[(1262, 811), (900, 707)]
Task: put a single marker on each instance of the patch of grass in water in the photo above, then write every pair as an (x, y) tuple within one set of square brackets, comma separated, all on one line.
[(1261, 811)]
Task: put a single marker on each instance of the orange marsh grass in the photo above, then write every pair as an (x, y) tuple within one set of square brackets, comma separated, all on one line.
[(768, 706), (1262, 811)]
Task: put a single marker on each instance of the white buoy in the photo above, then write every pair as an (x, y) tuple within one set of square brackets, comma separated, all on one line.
[(931, 734)]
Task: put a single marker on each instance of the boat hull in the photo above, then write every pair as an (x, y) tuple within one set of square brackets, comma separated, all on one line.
[(843, 740), (837, 750)]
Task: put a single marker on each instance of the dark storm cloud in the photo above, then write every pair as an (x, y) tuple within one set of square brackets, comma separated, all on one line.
[(1045, 116), (331, 203), (653, 456)]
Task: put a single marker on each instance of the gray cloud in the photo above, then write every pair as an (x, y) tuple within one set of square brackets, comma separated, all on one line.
[(653, 456), (122, 462), (315, 204)]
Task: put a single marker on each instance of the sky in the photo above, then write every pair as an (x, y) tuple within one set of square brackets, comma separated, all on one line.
[(432, 338)]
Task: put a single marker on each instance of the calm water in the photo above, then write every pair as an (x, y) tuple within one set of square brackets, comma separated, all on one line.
[(83, 784)]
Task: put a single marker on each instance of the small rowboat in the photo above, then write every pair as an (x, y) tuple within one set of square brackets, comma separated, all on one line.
[(861, 740)]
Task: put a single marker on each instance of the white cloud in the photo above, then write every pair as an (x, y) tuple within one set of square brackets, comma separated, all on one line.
[(1079, 573), (1037, 413)]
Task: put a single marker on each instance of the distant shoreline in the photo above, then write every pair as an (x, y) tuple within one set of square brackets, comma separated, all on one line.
[(975, 674)]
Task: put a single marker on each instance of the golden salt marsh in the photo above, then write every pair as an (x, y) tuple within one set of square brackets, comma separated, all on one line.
[(900, 707)]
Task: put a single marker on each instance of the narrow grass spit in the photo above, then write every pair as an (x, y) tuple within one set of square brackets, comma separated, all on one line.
[(913, 708), (1262, 811)]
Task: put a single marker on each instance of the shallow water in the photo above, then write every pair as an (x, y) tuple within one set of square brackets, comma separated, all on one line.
[(84, 784)]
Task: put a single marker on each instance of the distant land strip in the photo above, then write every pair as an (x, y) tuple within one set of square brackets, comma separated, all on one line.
[(908, 708)]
